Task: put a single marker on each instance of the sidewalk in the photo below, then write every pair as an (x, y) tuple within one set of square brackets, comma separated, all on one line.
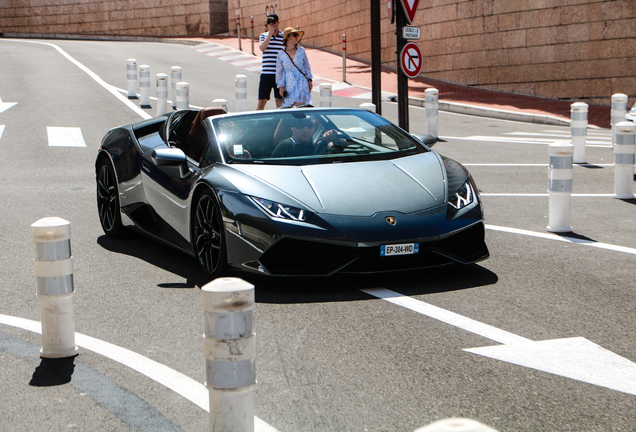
[(452, 97)]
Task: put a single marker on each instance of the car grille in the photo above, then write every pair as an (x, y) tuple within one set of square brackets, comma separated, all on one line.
[(304, 257)]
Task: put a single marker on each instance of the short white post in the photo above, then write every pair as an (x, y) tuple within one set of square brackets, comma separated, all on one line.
[(54, 273), (619, 109), (325, 95), (560, 175), (131, 77), (183, 95), (456, 425), (368, 106), (431, 108), (578, 128), (162, 93), (175, 77), (144, 85), (240, 92), (344, 58), (252, 32), (222, 103), (230, 351), (624, 159)]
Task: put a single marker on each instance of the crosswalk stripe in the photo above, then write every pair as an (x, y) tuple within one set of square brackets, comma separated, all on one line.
[(1, 130), (65, 137)]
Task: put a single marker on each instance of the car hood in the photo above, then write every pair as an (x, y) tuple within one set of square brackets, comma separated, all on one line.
[(405, 185)]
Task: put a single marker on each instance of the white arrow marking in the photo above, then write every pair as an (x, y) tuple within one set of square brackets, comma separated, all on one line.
[(65, 137), (6, 105), (575, 358)]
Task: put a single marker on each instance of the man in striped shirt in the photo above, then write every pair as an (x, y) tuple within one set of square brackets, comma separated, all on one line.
[(270, 44)]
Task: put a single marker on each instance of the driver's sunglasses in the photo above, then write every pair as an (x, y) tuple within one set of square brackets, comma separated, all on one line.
[(306, 123)]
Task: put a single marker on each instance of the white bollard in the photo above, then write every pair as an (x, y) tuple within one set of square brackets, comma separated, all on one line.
[(560, 176), (325, 95), (578, 129), (175, 77), (624, 159), (230, 351), (456, 425), (54, 273), (619, 109), (368, 106), (144, 86), (182, 95), (131, 77), (240, 93), (431, 107), (162, 93), (222, 103)]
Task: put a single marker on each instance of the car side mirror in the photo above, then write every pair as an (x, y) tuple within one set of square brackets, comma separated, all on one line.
[(172, 161), (428, 140)]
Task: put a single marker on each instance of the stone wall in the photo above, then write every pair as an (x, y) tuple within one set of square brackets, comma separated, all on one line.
[(114, 17), (568, 49)]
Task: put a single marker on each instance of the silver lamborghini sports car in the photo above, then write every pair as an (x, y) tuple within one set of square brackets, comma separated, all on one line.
[(289, 192)]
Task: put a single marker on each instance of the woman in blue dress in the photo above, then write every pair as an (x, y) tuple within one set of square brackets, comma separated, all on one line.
[(293, 74)]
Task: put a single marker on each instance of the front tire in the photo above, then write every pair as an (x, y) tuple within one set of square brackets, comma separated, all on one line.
[(208, 235), (108, 200)]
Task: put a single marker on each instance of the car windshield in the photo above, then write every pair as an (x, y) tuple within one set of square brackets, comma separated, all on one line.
[(311, 136)]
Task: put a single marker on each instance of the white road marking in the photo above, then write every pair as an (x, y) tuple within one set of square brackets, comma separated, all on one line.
[(65, 137), (112, 90), (181, 384), (535, 195), (1, 130), (549, 236), (588, 143), (575, 358), (545, 165)]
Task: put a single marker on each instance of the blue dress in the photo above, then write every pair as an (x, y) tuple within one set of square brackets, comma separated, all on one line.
[(288, 76)]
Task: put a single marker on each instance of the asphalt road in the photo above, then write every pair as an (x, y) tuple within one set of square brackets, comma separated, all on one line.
[(331, 357)]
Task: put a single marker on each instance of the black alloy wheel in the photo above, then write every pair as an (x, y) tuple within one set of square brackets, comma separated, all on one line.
[(108, 200), (208, 235)]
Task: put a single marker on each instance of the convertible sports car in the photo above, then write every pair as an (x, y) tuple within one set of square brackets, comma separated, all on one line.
[(290, 192)]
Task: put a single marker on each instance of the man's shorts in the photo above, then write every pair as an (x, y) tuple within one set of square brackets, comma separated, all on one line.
[(265, 85)]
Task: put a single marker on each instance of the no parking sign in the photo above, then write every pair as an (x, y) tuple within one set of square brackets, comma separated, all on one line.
[(411, 60)]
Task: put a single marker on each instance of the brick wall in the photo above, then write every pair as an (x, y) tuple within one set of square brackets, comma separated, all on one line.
[(567, 49), (114, 17)]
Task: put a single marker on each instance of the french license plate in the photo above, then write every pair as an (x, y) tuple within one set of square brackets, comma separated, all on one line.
[(400, 249)]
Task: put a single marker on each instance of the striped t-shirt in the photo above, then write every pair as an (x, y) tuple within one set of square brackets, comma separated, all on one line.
[(271, 52)]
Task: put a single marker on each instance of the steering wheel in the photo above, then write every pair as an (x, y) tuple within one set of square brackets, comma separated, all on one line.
[(339, 143)]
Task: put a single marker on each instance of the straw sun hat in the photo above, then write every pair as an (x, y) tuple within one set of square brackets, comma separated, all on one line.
[(290, 30)]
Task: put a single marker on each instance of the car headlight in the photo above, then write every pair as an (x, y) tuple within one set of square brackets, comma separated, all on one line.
[(282, 211), (463, 197)]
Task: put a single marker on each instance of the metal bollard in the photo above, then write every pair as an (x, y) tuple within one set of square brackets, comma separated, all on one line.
[(238, 30), (578, 128), (54, 273), (175, 77), (240, 93), (344, 58), (456, 425), (183, 95), (131, 77), (144, 85), (325, 95), (162, 93), (368, 106), (252, 32), (560, 177), (431, 108), (619, 109), (230, 351), (220, 103), (624, 159)]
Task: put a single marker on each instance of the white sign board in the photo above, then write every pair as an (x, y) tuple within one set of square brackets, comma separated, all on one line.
[(412, 33)]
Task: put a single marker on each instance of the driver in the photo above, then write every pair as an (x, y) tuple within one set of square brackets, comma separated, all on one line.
[(301, 143)]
